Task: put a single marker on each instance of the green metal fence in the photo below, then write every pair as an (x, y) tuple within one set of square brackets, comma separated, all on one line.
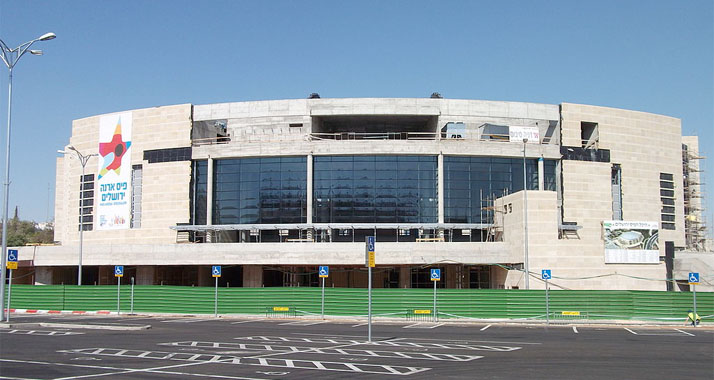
[(452, 303)]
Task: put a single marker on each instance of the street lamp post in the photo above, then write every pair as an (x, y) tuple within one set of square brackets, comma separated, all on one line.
[(525, 215), (10, 57), (83, 159)]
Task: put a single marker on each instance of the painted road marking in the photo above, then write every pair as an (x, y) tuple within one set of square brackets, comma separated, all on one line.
[(485, 327), (266, 362), (187, 320), (327, 351), (252, 320), (360, 324), (423, 325), (684, 332), (650, 332), (382, 343), (302, 323), (575, 329), (161, 370), (38, 332)]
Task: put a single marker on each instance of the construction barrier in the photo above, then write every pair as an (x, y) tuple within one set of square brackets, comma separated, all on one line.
[(280, 312), (452, 303)]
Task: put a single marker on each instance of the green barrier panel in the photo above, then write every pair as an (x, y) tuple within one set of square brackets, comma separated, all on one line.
[(452, 303)]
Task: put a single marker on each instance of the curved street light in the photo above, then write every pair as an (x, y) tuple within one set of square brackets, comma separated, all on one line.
[(10, 57), (83, 159)]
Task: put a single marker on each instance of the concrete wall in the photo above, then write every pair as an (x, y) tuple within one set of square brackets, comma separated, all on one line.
[(165, 189)]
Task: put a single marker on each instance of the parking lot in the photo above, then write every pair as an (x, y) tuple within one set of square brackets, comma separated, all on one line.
[(143, 347)]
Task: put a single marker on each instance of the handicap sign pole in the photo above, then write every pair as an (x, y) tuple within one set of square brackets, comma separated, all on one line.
[(118, 292), (118, 273), (694, 294), (547, 304), (322, 306), (11, 264), (434, 316), (693, 281), (215, 272), (9, 293), (546, 275), (131, 309), (369, 240)]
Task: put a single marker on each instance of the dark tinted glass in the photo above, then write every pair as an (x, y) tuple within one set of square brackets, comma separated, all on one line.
[(253, 190), (375, 189), (470, 181)]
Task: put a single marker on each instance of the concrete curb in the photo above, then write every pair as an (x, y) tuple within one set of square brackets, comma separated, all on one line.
[(37, 311), (74, 326)]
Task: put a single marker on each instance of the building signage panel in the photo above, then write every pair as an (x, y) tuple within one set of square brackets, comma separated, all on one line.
[(517, 134), (113, 186), (631, 242)]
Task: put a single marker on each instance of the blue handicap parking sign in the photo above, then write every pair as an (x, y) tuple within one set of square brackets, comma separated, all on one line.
[(216, 271), (324, 271), (12, 255), (435, 274), (118, 270), (693, 277), (545, 274), (370, 243)]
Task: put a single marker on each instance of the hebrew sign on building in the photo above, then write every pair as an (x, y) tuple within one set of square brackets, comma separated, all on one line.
[(114, 177)]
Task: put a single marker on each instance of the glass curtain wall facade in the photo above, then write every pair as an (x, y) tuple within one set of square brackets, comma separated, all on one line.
[(260, 190), (375, 189), (359, 189), (470, 181)]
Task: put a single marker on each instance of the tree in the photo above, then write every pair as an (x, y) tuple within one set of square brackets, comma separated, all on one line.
[(23, 232)]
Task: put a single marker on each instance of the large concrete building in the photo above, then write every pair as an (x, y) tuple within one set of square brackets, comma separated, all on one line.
[(272, 189)]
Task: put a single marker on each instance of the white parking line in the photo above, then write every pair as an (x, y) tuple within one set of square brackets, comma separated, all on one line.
[(575, 329), (187, 320), (253, 320), (485, 327), (684, 332), (253, 361), (388, 343), (630, 331), (323, 350), (302, 323), (423, 325), (161, 370), (38, 332)]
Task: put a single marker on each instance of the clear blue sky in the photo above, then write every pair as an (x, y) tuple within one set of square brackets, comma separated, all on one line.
[(653, 56)]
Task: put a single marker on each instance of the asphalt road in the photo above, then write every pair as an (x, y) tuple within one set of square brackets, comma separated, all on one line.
[(208, 348)]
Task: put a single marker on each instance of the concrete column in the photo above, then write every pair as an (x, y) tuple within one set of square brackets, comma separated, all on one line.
[(145, 275), (43, 276), (309, 188), (405, 277), (440, 188), (252, 276), (209, 198), (541, 177), (204, 276)]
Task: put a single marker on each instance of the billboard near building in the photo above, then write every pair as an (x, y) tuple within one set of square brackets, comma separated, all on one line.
[(631, 242), (113, 186), (517, 134)]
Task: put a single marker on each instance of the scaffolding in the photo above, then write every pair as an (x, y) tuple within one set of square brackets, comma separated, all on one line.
[(695, 226), (493, 213)]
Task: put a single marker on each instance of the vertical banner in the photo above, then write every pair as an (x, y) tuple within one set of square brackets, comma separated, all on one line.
[(113, 189)]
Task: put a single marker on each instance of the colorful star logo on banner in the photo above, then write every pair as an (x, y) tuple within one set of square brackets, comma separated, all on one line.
[(113, 151)]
